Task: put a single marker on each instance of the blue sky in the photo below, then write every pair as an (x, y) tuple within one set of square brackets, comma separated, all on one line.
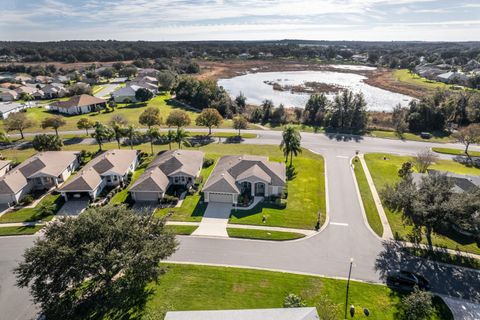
[(45, 20)]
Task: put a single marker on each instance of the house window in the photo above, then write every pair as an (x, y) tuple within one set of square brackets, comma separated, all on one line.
[(109, 179), (176, 179), (115, 178)]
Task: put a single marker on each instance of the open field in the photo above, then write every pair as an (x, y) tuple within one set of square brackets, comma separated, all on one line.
[(386, 172), (191, 287), (367, 199), (263, 234)]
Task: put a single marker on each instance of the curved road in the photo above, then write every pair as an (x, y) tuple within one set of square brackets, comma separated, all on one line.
[(328, 253)]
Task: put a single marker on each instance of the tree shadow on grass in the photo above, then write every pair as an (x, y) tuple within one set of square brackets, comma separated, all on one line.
[(134, 105), (444, 279)]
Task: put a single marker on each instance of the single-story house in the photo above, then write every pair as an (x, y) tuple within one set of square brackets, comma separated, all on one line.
[(26, 89), (54, 90), (23, 78), (126, 93), (306, 313), (8, 95), (119, 80), (110, 168), (79, 105), (60, 79), (452, 77), (43, 79), (174, 167), (148, 72), (44, 170), (249, 175), (4, 167), (7, 108), (461, 182)]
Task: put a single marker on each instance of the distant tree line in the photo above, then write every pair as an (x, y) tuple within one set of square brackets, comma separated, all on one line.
[(390, 54)]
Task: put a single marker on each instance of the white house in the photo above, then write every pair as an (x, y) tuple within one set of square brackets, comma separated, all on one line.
[(7, 108), (305, 313), (125, 94), (42, 171), (79, 105), (110, 168)]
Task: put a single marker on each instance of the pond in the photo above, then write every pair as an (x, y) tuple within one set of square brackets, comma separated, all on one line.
[(258, 86)]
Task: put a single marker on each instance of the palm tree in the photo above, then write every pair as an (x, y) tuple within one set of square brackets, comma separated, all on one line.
[(170, 138), (153, 134), (290, 144), (130, 132), (181, 137)]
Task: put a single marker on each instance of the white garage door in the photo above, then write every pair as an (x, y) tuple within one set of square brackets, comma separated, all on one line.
[(220, 197), (146, 196)]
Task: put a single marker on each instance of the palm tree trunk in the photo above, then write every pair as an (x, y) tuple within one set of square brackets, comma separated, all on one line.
[(118, 143), (56, 131), (169, 145), (151, 145), (86, 130), (291, 158), (99, 145)]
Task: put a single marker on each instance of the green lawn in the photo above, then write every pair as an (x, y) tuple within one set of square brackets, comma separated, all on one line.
[(191, 287), (130, 112), (16, 231), (456, 152), (367, 199), (181, 230), (436, 137), (403, 75), (306, 191), (33, 214), (386, 171), (121, 196), (306, 196), (263, 234)]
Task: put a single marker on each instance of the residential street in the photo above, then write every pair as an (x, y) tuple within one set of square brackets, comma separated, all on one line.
[(327, 253)]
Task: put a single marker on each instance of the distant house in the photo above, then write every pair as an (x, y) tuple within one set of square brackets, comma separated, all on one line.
[(43, 79), (4, 167), (174, 167), (23, 78), (246, 314), (125, 94), (60, 79), (8, 95), (249, 175), (360, 58), (44, 170), (7, 108), (54, 90), (148, 72), (461, 182), (79, 105), (107, 169), (26, 89), (452, 77), (119, 80)]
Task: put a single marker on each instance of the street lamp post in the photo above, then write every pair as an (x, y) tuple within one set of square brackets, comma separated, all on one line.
[(348, 285)]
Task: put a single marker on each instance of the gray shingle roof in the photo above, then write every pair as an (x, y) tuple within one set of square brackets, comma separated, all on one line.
[(232, 169), (111, 161), (51, 163), (246, 314), (168, 163)]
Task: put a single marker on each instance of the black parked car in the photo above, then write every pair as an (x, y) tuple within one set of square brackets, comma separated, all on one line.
[(405, 281)]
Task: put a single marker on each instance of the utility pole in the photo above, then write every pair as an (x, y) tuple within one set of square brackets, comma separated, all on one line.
[(348, 285)]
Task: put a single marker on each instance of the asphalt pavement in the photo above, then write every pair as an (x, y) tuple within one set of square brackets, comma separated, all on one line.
[(328, 253)]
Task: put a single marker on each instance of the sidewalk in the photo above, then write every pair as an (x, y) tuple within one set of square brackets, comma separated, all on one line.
[(387, 231)]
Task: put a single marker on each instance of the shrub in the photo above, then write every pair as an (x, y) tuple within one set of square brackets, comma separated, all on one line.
[(167, 199), (198, 180), (293, 301), (281, 203), (27, 200), (207, 162)]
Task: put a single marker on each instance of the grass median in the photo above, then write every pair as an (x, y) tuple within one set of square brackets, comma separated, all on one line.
[(193, 287), (17, 231), (263, 234), (181, 230), (386, 172), (367, 199), (456, 152)]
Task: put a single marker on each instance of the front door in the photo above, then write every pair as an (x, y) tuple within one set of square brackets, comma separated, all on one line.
[(260, 189)]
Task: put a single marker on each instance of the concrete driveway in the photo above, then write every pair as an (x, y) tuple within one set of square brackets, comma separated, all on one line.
[(215, 220), (108, 88), (73, 207)]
